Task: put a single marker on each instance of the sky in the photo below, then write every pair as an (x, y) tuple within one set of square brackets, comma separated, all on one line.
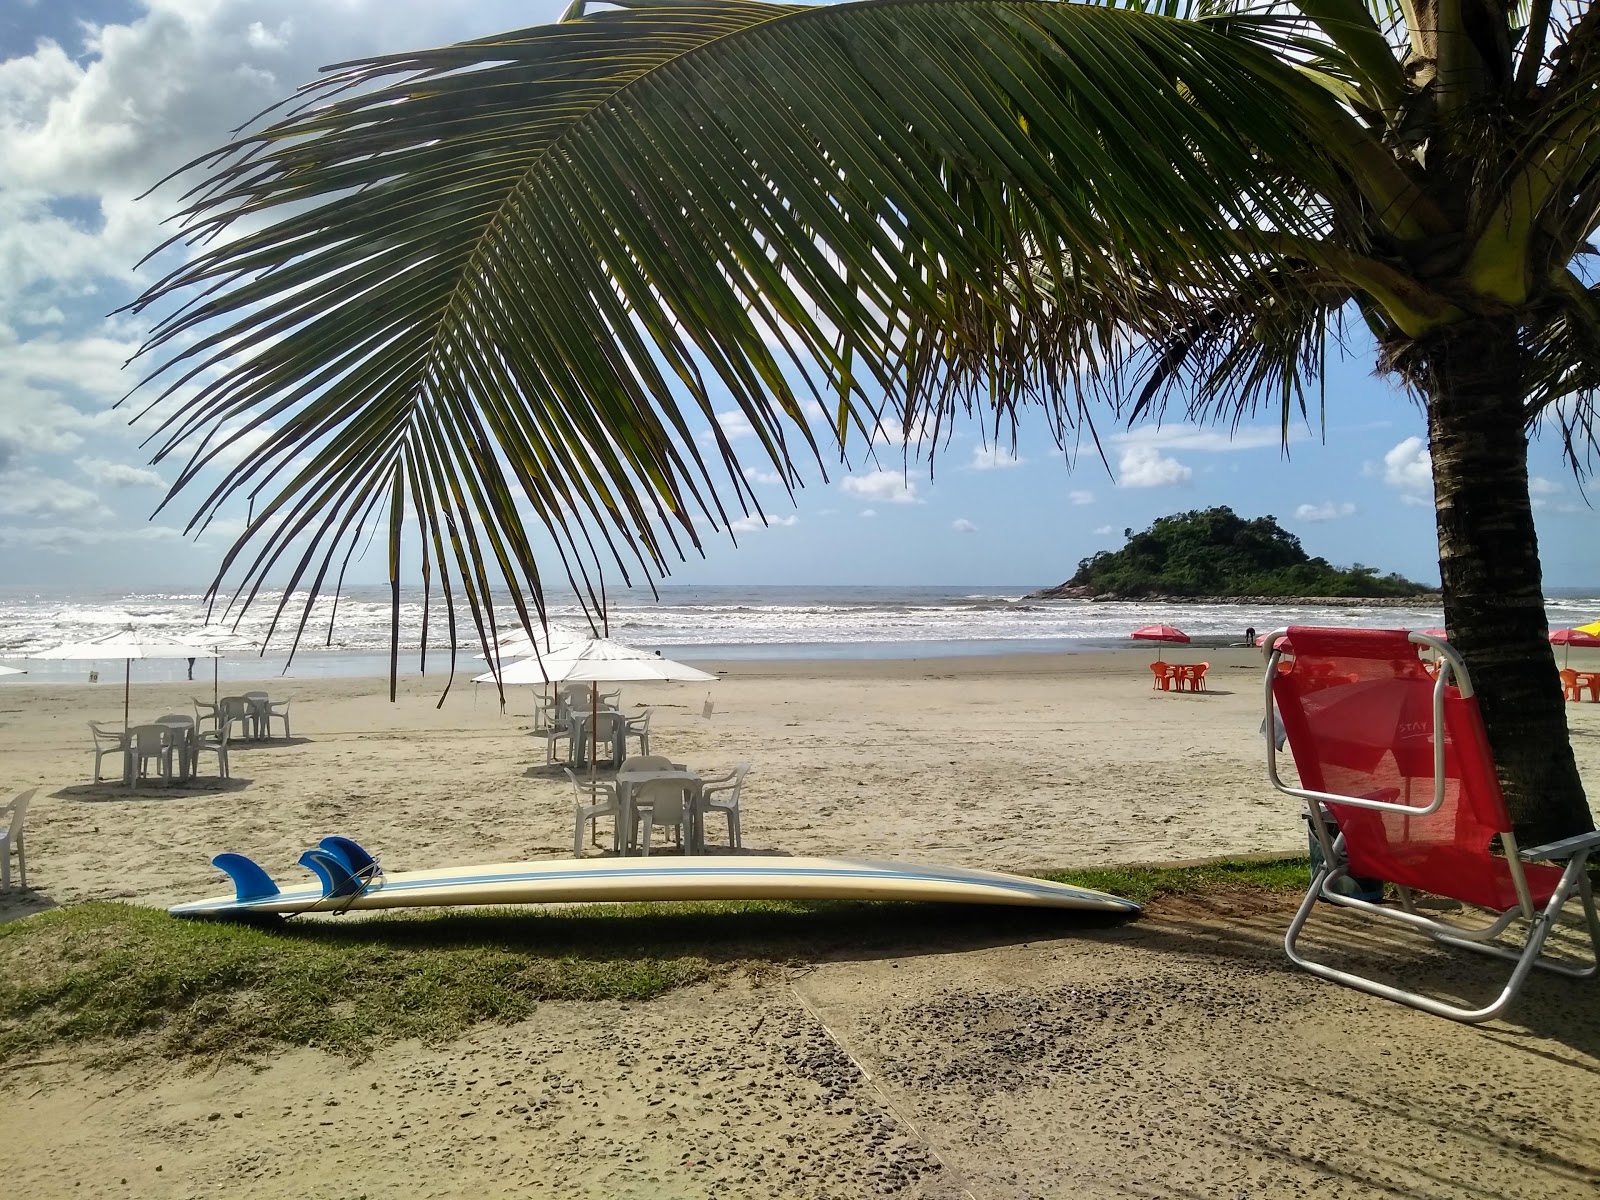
[(101, 99)]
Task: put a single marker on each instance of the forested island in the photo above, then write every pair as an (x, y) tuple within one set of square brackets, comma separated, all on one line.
[(1215, 554)]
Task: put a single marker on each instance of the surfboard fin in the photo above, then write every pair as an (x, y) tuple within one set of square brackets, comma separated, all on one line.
[(350, 852), (337, 879), (250, 882)]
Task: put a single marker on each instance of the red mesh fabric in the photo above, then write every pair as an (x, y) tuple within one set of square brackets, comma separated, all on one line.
[(1358, 710)]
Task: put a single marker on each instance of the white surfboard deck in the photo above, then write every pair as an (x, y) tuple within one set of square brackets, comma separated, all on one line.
[(709, 877)]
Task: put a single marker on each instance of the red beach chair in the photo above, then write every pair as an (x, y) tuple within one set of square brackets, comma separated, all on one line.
[(1398, 778)]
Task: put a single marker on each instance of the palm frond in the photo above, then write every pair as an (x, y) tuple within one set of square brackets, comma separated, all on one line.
[(500, 284)]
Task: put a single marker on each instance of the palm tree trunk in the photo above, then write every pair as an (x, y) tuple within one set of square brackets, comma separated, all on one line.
[(1489, 564)]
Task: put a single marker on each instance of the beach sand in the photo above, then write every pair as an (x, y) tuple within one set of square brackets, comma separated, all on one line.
[(1175, 1055)]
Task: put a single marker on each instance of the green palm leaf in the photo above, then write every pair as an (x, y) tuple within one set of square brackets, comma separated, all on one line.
[(492, 281)]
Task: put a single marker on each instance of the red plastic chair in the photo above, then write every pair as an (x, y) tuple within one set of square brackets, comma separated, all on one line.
[(1161, 675), (1571, 689), (1391, 799)]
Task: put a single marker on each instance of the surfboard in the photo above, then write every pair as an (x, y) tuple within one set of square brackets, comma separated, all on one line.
[(350, 878)]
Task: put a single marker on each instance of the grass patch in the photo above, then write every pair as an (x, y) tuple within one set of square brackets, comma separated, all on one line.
[(134, 980), (1147, 884)]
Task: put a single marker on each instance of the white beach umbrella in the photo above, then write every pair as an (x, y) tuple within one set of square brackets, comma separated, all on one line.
[(520, 645), (599, 660), (12, 671), (219, 639), (127, 644)]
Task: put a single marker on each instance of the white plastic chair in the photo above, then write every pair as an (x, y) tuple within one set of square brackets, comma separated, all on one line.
[(639, 727), (238, 708), (571, 699), (657, 802), (260, 705), (733, 785), (108, 741), (646, 762), (12, 818), (205, 710), (213, 741), (272, 712), (148, 742), (183, 740), (606, 741), (602, 802)]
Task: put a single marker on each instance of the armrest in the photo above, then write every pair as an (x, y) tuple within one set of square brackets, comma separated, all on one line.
[(710, 780), (1565, 848)]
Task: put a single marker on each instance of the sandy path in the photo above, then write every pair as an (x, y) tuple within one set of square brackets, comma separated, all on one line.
[(1175, 1057)]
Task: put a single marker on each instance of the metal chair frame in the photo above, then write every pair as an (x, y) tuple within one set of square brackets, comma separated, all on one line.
[(1574, 878)]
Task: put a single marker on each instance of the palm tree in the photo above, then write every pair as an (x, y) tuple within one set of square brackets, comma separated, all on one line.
[(488, 284)]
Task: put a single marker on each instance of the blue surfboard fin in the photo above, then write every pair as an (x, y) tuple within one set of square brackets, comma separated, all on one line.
[(351, 853), (337, 879), (250, 882)]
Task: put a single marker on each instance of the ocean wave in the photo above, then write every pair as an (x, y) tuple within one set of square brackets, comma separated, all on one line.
[(687, 617)]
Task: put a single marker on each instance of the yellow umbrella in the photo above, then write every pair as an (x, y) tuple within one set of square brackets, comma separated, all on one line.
[(1592, 627)]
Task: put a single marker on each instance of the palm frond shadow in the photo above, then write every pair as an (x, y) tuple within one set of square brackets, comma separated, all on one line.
[(1550, 1006)]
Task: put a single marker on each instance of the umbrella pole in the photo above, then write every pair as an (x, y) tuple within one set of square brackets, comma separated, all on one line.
[(127, 682), (594, 726), (216, 676)]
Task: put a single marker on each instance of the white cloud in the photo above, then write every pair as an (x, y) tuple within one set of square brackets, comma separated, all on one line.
[(1144, 467), (962, 525), (753, 523), (1081, 497), (1194, 438), (1408, 469), (120, 475), (992, 458), (891, 431), (1324, 512), (734, 425), (885, 487), (63, 539), (34, 494), (1104, 531), (1540, 486), (769, 478), (259, 37), (869, 512)]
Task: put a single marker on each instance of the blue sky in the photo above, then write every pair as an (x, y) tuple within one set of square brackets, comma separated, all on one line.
[(100, 100)]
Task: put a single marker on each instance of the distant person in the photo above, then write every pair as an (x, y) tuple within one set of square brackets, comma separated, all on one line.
[(191, 668), (1249, 635)]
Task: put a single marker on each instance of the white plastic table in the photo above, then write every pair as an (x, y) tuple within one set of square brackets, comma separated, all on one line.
[(695, 838)]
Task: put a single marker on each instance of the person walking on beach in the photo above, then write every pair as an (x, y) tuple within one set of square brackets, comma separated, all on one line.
[(191, 668)]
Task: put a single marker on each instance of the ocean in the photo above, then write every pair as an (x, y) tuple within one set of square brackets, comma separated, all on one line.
[(692, 623)]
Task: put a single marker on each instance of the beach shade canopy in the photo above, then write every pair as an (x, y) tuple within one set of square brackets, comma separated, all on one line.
[(1438, 633), (1573, 637), (4, 670), (598, 660), (1159, 633), (1592, 627), (219, 639), (519, 645), (1261, 640), (127, 644)]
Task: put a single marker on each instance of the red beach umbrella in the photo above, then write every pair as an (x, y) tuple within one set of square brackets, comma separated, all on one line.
[(1159, 633), (1573, 637)]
